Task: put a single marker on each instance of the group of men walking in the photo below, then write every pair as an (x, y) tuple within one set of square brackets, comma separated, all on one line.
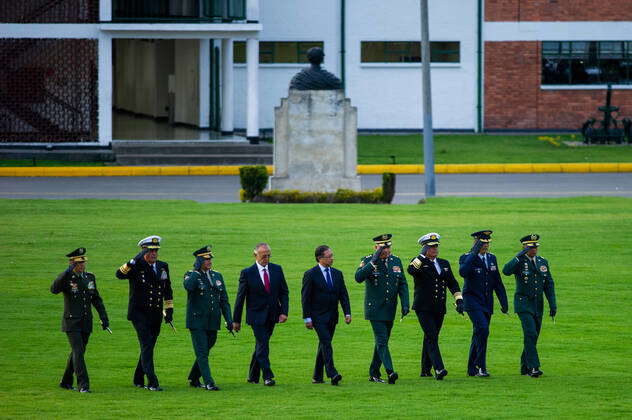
[(264, 292)]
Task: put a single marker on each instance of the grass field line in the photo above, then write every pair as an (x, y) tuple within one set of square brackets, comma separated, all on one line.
[(479, 168)]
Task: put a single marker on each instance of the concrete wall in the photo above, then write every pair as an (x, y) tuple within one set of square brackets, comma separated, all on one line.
[(388, 96), (140, 79), (187, 81)]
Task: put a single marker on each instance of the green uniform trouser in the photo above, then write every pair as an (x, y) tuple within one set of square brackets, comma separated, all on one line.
[(531, 325), (203, 341), (381, 354)]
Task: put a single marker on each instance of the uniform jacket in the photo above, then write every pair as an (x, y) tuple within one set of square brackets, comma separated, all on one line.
[(382, 286), (430, 286), (319, 303), (207, 300), (147, 289), (80, 294), (480, 283), (261, 307), (531, 281)]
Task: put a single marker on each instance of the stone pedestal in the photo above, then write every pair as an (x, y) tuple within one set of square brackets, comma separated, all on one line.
[(315, 142)]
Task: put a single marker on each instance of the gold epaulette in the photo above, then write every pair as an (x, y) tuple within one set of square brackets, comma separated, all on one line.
[(416, 262), (125, 268), (168, 304)]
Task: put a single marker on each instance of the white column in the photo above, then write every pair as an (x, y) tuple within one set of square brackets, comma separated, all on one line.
[(252, 59), (227, 87), (204, 83), (104, 89), (252, 11), (105, 10)]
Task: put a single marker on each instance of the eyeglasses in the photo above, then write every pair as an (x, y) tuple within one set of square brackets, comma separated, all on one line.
[(265, 255)]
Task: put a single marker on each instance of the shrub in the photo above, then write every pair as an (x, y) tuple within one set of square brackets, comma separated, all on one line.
[(388, 186), (253, 181), (340, 196)]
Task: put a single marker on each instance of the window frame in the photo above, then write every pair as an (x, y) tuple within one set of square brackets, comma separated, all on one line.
[(270, 46), (410, 53)]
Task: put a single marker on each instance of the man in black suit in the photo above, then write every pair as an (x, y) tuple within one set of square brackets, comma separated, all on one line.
[(80, 294), (149, 287), (323, 288), (262, 286)]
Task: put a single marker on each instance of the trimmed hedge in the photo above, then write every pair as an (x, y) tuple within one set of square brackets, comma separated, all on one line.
[(253, 181), (340, 196), (388, 186)]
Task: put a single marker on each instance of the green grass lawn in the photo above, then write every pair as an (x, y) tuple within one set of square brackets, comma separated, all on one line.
[(485, 148), (585, 355)]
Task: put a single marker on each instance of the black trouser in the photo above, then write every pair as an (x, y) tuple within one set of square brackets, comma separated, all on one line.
[(431, 323), (478, 347), (260, 362), (531, 325), (76, 363), (381, 353), (203, 341), (147, 332), (325, 354)]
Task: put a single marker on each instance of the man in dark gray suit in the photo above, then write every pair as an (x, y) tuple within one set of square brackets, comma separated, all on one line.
[(263, 288), (323, 288)]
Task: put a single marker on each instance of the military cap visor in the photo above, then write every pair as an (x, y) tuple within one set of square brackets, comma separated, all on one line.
[(204, 252), (150, 242), (483, 235), (78, 255), (384, 239), (530, 240)]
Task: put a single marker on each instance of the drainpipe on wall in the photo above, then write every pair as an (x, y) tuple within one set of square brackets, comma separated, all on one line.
[(479, 73), (343, 13)]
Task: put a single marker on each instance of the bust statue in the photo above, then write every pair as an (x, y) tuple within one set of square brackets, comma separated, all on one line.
[(315, 78)]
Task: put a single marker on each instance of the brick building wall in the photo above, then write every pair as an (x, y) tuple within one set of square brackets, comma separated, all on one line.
[(557, 10), (515, 100)]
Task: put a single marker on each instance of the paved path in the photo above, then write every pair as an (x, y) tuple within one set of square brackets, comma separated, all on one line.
[(225, 189)]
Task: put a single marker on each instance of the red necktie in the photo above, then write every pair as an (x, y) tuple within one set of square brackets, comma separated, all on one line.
[(266, 280)]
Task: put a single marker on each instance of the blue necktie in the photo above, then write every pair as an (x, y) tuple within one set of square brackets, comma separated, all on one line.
[(330, 284), (485, 261)]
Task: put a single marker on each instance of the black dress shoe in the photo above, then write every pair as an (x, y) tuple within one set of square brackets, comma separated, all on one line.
[(269, 382), (336, 379), (252, 381), (392, 377), (140, 385), (482, 373), (425, 373), (195, 384), (376, 379), (535, 373), (154, 388), (317, 381), (441, 374), (67, 387), (210, 387), (85, 390)]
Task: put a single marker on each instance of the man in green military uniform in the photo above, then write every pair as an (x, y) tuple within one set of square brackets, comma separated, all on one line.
[(533, 278), (384, 280), (80, 294), (207, 301)]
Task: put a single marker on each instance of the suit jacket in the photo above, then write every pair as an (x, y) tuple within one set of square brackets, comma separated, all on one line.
[(80, 294), (480, 283), (261, 307), (383, 285), (207, 300), (531, 281), (147, 289), (319, 302), (430, 286)]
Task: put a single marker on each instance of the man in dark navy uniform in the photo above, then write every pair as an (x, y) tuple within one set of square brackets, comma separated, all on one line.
[(432, 275), (481, 275), (263, 288), (149, 287), (323, 288), (80, 294)]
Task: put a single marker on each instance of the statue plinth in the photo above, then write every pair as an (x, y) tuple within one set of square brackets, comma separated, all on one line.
[(315, 142)]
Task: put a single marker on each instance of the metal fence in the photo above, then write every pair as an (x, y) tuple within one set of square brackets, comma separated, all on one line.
[(48, 90), (49, 11)]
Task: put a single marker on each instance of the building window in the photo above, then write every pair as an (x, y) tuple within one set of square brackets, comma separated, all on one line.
[(586, 62), (409, 51), (277, 51)]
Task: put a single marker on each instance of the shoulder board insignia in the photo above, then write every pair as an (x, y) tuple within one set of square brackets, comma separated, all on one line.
[(416, 262)]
